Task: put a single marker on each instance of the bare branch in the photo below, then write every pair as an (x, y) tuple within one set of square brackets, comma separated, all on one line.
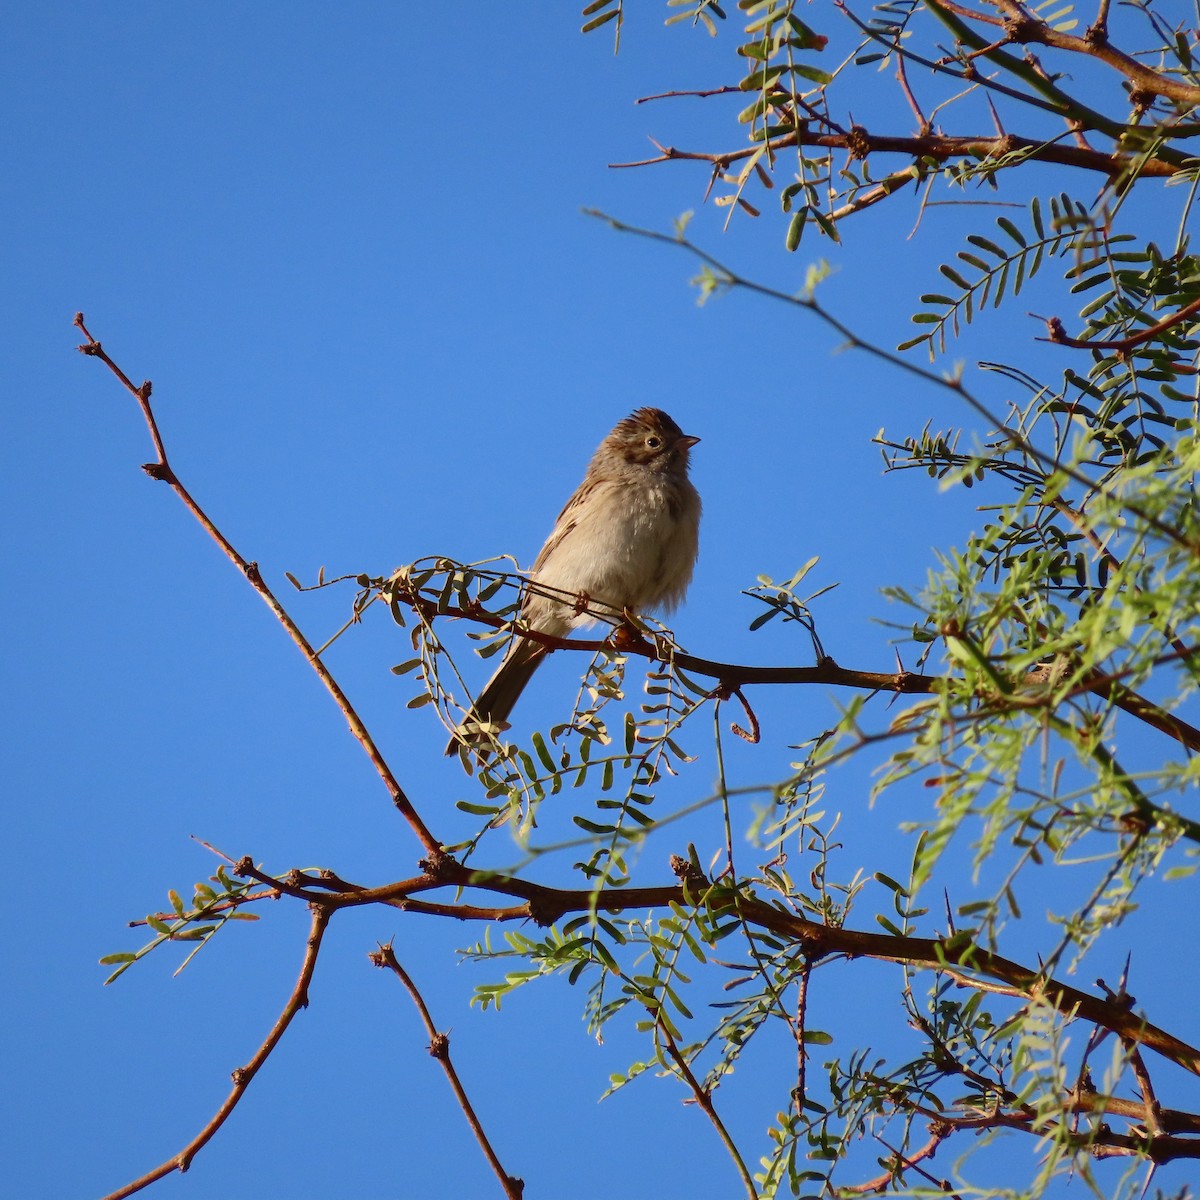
[(1028, 30), (936, 146), (703, 1098), (1057, 334), (162, 470), (243, 1075), (439, 1047)]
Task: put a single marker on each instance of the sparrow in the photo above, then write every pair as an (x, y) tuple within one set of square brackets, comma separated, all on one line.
[(626, 541)]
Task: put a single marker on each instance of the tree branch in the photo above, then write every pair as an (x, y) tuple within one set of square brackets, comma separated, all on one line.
[(243, 1075), (1058, 336), (704, 1100), (439, 1047), (731, 677), (1027, 30), (939, 147), (545, 905), (162, 470)]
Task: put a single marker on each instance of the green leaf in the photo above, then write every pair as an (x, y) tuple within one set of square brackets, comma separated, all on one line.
[(954, 277), (478, 810), (1012, 231), (543, 753), (813, 74), (761, 78), (603, 19), (827, 226), (986, 244), (592, 826), (795, 228)]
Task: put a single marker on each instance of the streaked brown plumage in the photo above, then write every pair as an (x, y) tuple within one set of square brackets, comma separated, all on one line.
[(627, 539)]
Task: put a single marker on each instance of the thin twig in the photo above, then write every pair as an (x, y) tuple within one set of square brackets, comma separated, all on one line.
[(923, 124), (704, 1100), (1058, 336), (162, 470), (903, 1162), (243, 1075), (800, 1093), (439, 1047), (717, 91)]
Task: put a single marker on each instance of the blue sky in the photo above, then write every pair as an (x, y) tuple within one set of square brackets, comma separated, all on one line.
[(346, 244)]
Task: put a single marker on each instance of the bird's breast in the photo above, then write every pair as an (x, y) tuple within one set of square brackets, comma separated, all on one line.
[(630, 546)]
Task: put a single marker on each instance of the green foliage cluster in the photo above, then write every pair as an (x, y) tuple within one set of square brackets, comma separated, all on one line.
[(1062, 634)]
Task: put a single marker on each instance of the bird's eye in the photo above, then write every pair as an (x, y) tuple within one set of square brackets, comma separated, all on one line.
[(653, 442)]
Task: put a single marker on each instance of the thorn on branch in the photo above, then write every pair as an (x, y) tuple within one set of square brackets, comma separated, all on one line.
[(1141, 100), (1120, 997), (439, 1046), (160, 471), (1055, 330)]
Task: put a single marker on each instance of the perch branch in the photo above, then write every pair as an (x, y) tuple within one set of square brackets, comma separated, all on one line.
[(936, 146)]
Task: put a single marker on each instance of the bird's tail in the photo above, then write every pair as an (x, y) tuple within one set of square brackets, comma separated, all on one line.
[(500, 694)]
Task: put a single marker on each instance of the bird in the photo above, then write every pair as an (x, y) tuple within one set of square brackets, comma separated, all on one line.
[(626, 541)]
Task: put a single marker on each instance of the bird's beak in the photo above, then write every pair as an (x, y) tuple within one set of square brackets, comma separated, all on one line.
[(687, 441)]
